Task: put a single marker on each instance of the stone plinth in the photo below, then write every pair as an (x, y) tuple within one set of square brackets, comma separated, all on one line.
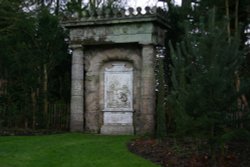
[(112, 129), (117, 122)]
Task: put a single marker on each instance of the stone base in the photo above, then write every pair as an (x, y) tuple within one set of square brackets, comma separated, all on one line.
[(117, 129)]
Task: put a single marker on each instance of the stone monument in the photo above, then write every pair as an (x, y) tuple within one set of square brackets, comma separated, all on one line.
[(113, 61)]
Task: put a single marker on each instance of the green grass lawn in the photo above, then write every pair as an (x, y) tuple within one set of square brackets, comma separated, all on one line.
[(68, 150)]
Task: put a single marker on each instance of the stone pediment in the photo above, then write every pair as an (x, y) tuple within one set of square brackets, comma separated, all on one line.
[(118, 26)]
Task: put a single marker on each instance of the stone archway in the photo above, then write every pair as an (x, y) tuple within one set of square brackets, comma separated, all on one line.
[(99, 63)]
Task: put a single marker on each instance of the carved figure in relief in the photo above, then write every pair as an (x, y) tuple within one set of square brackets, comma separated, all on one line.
[(118, 96), (123, 97)]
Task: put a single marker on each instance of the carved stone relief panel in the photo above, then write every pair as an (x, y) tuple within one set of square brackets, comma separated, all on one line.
[(118, 83)]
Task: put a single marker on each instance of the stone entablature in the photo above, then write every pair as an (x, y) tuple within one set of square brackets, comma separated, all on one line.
[(113, 61), (120, 28)]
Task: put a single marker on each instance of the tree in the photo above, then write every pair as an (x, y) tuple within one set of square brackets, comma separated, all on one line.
[(161, 129), (191, 11), (17, 28), (33, 49), (51, 49), (203, 67)]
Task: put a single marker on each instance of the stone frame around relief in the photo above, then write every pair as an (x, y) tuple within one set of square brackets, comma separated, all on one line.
[(118, 89)]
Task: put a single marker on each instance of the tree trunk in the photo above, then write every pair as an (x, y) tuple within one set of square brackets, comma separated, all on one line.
[(57, 7), (79, 3), (236, 22), (228, 17), (42, 2), (34, 103), (242, 100), (92, 4), (45, 92)]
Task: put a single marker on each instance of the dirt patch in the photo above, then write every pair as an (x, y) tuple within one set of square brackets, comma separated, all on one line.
[(189, 153)]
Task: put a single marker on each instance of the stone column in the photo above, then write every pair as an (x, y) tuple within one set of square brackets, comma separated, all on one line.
[(77, 89), (148, 96)]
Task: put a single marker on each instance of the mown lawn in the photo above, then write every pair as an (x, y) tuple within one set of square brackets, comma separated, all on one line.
[(68, 150)]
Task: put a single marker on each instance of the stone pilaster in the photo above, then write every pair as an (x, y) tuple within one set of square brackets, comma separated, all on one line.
[(77, 89), (148, 96)]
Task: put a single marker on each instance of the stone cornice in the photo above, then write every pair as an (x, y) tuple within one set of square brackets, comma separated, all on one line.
[(116, 16)]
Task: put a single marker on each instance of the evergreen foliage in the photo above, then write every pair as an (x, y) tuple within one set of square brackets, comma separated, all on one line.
[(203, 73), (161, 129), (29, 42)]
